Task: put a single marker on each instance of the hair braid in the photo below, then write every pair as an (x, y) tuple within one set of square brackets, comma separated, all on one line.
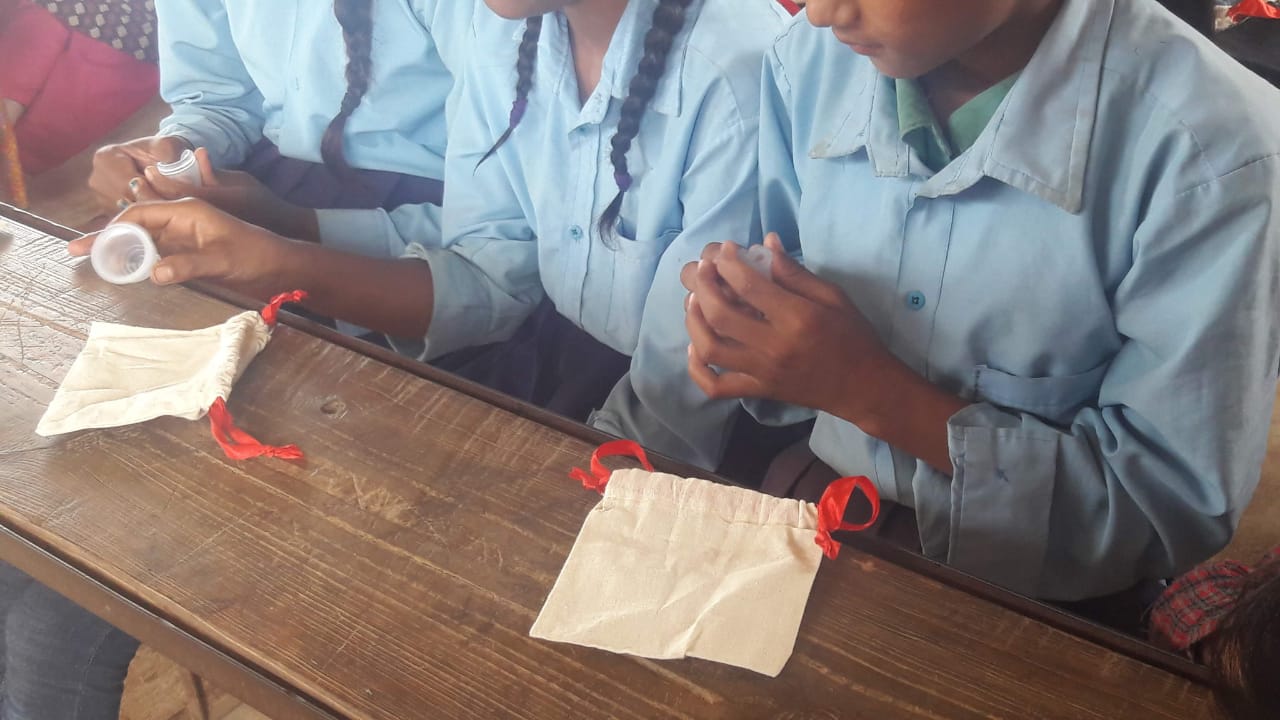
[(668, 20), (356, 19), (526, 61)]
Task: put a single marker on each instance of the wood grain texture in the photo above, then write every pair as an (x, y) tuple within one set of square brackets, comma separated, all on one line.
[(395, 573)]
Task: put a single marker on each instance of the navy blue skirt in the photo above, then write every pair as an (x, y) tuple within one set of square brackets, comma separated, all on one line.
[(314, 185)]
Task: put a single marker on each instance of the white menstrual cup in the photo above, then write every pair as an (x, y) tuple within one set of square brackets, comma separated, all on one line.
[(123, 253), (184, 169), (759, 258)]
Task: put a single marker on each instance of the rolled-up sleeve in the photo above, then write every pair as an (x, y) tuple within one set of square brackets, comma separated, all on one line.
[(216, 104), (485, 272), (380, 233), (1152, 479)]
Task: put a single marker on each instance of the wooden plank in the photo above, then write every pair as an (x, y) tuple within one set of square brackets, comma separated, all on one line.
[(395, 574)]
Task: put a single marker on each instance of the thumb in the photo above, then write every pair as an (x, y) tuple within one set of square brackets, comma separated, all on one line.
[(791, 275), (81, 245), (787, 273), (187, 266)]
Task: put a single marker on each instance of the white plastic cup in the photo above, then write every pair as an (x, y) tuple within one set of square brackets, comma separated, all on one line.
[(760, 258), (185, 169), (123, 253)]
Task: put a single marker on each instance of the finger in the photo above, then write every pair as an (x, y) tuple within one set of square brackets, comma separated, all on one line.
[(723, 385), (689, 276), (711, 251), (81, 245), (794, 277), (746, 283), (144, 191), (173, 225), (701, 374), (165, 187), (111, 172), (728, 317), (207, 174), (190, 266), (713, 348)]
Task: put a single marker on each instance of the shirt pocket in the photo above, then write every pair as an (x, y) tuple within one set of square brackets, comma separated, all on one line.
[(635, 264), (1055, 398)]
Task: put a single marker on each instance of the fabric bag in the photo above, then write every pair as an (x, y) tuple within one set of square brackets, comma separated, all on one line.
[(667, 567), (127, 375)]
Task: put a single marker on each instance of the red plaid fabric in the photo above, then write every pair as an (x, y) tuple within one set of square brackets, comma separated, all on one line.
[(1194, 605)]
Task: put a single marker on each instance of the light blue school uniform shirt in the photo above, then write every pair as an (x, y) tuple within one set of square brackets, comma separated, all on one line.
[(236, 71), (523, 224), (1098, 273)]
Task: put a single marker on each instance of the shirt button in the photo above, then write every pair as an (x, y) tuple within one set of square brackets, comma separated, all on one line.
[(575, 232), (915, 300)]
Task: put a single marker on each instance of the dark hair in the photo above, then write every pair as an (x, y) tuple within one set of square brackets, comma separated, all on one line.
[(526, 61), (1244, 652), (356, 19), (668, 20)]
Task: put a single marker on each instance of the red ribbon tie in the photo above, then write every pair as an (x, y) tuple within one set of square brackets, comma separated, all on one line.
[(1253, 8), (835, 499), (599, 475), (240, 445), (271, 313)]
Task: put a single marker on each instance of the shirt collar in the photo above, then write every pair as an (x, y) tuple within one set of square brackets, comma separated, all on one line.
[(1037, 141)]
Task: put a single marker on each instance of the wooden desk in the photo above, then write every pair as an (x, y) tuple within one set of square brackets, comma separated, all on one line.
[(397, 572)]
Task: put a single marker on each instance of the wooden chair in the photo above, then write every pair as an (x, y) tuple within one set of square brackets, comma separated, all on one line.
[(13, 184)]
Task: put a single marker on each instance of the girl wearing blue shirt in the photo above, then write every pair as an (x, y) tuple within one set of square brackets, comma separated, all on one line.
[(581, 176), (264, 86), (1052, 333)]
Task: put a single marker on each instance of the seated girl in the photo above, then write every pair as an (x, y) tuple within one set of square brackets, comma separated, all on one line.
[(264, 87), (1039, 298), (581, 176)]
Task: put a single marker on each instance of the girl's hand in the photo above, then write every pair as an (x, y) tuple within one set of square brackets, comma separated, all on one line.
[(795, 338), (237, 193), (792, 337), (114, 166), (198, 241)]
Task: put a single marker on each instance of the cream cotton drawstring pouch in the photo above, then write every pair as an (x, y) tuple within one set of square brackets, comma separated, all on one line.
[(127, 375), (668, 567)]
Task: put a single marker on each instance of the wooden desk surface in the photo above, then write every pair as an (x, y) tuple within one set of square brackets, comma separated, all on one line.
[(396, 573)]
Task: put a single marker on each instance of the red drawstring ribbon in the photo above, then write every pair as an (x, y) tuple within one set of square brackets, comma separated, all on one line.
[(271, 313), (831, 507), (1253, 8), (236, 443), (599, 475), (240, 445), (831, 511)]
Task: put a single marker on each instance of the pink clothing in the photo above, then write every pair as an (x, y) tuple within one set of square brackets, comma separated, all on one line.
[(76, 89)]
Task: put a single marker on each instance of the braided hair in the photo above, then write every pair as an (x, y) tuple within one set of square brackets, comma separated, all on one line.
[(526, 61), (356, 19), (668, 20)]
